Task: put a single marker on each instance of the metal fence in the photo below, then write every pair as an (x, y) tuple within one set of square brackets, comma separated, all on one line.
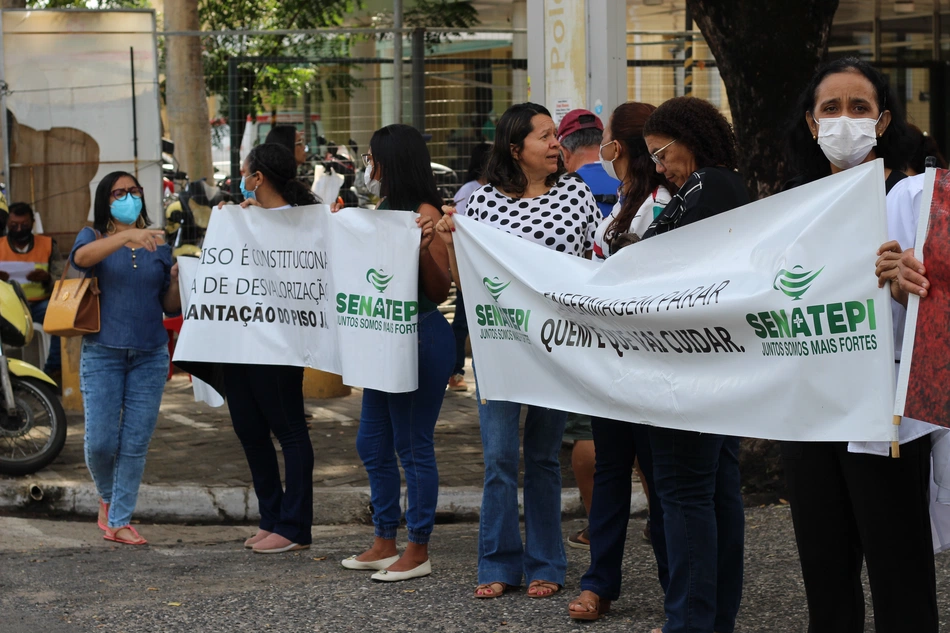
[(339, 87)]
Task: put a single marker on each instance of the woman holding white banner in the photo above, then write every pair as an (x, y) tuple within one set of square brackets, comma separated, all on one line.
[(696, 475), (528, 195), (265, 399), (617, 444), (398, 168), (854, 502)]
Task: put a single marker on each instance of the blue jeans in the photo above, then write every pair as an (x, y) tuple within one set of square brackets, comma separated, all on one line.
[(404, 424), (122, 392), (460, 330), (696, 476), (616, 445), (265, 399), (501, 555), (54, 360)]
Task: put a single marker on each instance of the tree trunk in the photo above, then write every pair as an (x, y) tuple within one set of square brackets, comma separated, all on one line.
[(766, 56), (185, 99)]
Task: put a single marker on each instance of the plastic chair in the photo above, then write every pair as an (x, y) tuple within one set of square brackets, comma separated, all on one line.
[(173, 328), (38, 349)]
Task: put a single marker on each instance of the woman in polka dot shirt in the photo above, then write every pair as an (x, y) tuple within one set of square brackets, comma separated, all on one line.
[(528, 195)]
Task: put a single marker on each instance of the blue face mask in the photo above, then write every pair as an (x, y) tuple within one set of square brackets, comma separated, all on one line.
[(244, 192), (127, 209)]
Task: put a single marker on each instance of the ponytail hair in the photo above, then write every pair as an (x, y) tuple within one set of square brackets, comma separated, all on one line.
[(278, 165)]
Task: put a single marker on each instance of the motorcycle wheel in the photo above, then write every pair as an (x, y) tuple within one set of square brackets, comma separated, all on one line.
[(36, 435)]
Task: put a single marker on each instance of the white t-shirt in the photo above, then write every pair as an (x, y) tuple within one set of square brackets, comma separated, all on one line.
[(463, 194), (651, 208), (563, 219)]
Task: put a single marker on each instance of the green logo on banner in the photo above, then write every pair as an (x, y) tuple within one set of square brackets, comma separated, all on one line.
[(378, 278), (495, 287), (795, 282)]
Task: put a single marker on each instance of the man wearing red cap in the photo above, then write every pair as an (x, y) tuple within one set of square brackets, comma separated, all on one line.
[(580, 134)]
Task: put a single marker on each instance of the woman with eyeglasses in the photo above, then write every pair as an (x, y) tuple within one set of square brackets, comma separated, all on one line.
[(123, 367), (696, 475), (403, 424)]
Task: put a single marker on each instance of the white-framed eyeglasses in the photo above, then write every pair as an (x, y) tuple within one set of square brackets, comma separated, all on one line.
[(656, 159)]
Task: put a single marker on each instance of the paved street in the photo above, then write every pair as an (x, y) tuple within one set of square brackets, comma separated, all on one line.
[(62, 577), (194, 443)]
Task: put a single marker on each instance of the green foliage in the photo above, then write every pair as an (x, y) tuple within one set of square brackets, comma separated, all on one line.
[(268, 86)]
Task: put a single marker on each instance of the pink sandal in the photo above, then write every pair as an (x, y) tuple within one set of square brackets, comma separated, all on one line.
[(110, 535), (103, 506)]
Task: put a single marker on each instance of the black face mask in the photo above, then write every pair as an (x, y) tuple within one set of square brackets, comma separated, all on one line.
[(20, 235)]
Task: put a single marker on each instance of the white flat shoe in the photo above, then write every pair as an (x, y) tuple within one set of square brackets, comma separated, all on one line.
[(395, 576), (383, 563), (292, 547)]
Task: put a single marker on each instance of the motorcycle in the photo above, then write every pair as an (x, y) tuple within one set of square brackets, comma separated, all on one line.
[(32, 419)]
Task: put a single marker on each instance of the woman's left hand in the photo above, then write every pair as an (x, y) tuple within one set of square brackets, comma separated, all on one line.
[(428, 231), (173, 273), (886, 269)]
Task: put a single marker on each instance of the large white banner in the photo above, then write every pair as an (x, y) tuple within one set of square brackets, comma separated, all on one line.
[(304, 287), (765, 321)]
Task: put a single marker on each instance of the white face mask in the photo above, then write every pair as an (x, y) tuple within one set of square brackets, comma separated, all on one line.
[(371, 185), (608, 165), (846, 142)]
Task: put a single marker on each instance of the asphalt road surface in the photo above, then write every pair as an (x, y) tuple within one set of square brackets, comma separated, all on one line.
[(61, 577)]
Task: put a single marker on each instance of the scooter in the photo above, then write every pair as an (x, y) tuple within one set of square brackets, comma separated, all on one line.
[(32, 419)]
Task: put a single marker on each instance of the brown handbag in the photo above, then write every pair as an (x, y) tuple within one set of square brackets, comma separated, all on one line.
[(73, 307)]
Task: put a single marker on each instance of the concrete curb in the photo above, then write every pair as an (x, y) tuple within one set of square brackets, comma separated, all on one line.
[(194, 503)]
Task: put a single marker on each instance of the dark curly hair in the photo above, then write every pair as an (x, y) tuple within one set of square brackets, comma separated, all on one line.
[(699, 126), (502, 170), (806, 162), (279, 167)]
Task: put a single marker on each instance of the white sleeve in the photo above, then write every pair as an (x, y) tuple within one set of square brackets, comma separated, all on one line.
[(903, 211)]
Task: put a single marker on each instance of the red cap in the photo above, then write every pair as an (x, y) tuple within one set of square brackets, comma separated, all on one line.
[(578, 120)]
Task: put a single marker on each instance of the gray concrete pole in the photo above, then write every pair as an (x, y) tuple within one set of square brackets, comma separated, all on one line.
[(397, 61)]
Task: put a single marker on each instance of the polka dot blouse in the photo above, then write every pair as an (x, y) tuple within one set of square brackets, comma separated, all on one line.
[(563, 219)]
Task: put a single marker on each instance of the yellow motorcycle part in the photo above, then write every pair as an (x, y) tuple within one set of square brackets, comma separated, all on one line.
[(15, 314), (171, 227), (25, 370), (187, 250)]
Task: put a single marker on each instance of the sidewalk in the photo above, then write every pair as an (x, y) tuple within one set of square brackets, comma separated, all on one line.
[(196, 470)]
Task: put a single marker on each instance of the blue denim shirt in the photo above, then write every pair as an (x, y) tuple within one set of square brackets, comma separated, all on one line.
[(132, 294)]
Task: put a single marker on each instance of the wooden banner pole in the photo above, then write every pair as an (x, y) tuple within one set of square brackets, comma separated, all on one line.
[(896, 445)]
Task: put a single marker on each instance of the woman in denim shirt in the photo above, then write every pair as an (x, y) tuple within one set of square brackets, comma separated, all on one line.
[(403, 424), (123, 367)]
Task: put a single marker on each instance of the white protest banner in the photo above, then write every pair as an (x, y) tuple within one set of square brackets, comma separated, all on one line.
[(375, 282), (187, 270), (265, 292), (765, 321)]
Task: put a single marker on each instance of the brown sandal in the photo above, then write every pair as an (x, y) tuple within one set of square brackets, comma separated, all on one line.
[(595, 607), (490, 586), (539, 585)]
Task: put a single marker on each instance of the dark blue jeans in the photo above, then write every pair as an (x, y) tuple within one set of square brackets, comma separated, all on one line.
[(460, 330), (616, 445), (697, 480), (265, 399), (404, 424)]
